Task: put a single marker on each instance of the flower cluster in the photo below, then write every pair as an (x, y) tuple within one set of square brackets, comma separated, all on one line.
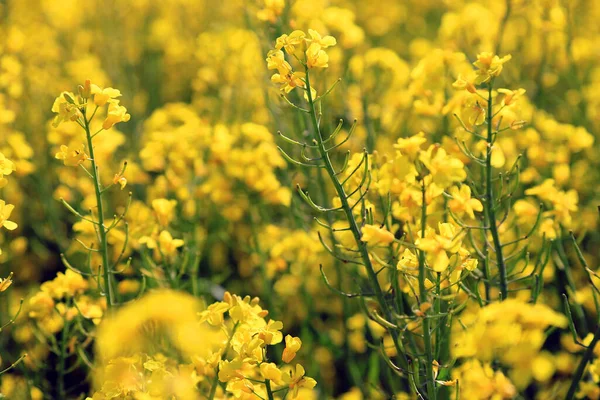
[(230, 360), (309, 50)]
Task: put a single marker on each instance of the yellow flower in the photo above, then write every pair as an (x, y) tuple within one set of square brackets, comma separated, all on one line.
[(276, 60), (292, 345), (489, 66), (462, 203), (271, 334), (323, 42), (463, 84), (72, 157), (6, 168), (444, 169), (164, 210), (546, 191), (116, 114), (272, 10), (229, 370), (271, 372), (103, 96), (170, 314), (296, 380), (5, 211), (166, 245), (289, 81), (290, 42), (510, 96), (408, 261), (67, 110), (214, 314), (69, 283), (316, 57), (373, 234), (6, 282), (437, 246), (121, 180), (411, 146)]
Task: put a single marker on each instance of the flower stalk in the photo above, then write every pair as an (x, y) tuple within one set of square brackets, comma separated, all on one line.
[(423, 299), (102, 230), (489, 200), (354, 228)]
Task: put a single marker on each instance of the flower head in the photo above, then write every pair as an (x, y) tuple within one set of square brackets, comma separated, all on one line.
[(6, 168), (103, 96), (116, 114), (72, 157), (489, 66), (5, 211), (66, 108)]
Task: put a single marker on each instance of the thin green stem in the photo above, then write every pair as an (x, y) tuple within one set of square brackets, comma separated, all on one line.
[(362, 248), (489, 200), (215, 383), (423, 299), (587, 357), (269, 390), (62, 360), (103, 245)]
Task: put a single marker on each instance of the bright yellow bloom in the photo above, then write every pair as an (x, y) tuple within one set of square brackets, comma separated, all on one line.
[(489, 66), (291, 41), (444, 169), (173, 314), (464, 84), (289, 81), (69, 284), (374, 235), (116, 114), (271, 334), (296, 380), (316, 57), (292, 345), (408, 261), (5, 211), (323, 42), (165, 245), (103, 96), (214, 314), (67, 110), (6, 168), (462, 203), (164, 210), (272, 10), (271, 372), (72, 157), (411, 146), (438, 245), (510, 96), (276, 60)]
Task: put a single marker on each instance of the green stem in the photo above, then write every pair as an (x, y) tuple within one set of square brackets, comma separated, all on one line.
[(106, 268), (423, 299), (266, 281), (372, 276), (215, 383), (62, 360), (269, 390), (489, 200), (587, 356)]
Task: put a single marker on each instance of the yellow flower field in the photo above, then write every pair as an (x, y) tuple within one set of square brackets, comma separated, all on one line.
[(299, 199)]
